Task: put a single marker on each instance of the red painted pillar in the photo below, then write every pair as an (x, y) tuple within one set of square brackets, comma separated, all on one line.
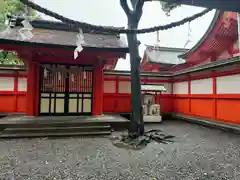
[(172, 97), (16, 91), (214, 96), (98, 90), (37, 89), (189, 94), (32, 82), (116, 97)]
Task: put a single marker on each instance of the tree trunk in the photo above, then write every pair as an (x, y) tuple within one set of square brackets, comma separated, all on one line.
[(136, 104)]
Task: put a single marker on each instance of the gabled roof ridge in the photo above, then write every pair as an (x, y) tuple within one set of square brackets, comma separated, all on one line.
[(55, 25)]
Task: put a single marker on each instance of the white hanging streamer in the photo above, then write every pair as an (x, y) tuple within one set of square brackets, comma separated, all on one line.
[(84, 75), (45, 73), (59, 76), (189, 35), (25, 32), (158, 38), (79, 42), (157, 45), (72, 77)]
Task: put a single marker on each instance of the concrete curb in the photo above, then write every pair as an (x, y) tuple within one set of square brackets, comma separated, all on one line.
[(209, 123)]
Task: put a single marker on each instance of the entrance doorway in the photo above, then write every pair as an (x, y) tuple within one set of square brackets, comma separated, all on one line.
[(65, 90)]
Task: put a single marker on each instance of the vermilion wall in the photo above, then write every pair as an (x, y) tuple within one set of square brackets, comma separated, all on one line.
[(215, 96), (12, 92), (117, 97)]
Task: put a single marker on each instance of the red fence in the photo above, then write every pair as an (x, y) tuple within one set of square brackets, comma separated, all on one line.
[(12, 91), (117, 97), (215, 96)]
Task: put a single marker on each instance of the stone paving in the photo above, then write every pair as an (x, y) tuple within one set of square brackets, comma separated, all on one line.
[(199, 153)]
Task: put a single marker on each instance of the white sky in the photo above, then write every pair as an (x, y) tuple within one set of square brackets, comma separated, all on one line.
[(110, 13)]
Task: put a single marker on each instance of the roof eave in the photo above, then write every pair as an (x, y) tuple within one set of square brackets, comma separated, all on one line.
[(152, 74), (211, 65), (13, 67), (45, 45), (163, 48), (128, 73)]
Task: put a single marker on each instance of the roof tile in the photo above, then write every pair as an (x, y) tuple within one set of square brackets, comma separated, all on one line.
[(66, 38)]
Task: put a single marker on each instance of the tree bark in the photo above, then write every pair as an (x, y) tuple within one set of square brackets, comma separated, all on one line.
[(134, 17)]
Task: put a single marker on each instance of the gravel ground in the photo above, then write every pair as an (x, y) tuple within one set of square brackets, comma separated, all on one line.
[(199, 153)]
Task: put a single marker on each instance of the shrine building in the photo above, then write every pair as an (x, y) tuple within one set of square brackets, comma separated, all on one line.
[(205, 79), (201, 82), (58, 84)]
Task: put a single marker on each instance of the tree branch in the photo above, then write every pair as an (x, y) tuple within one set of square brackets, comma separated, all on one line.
[(139, 4), (138, 10), (125, 7)]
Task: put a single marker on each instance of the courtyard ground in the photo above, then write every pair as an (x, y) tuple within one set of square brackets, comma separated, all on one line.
[(198, 153)]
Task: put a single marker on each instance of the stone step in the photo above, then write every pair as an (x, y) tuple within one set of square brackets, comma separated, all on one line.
[(58, 129), (39, 124), (54, 134)]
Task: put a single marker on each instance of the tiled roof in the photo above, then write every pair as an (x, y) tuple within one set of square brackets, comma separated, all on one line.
[(57, 33), (164, 55)]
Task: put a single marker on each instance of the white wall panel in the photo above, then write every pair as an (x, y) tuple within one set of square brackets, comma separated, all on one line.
[(180, 87), (228, 84), (22, 84), (202, 86), (6, 84), (109, 86), (124, 87)]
